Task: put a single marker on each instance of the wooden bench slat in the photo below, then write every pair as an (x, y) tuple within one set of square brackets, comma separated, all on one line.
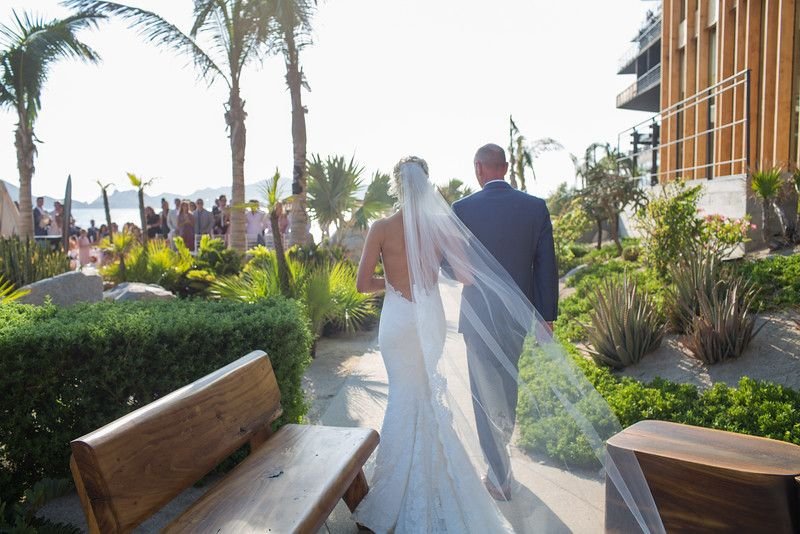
[(290, 484), (135, 465)]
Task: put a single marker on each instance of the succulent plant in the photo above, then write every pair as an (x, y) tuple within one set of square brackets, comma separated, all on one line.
[(696, 272), (625, 324)]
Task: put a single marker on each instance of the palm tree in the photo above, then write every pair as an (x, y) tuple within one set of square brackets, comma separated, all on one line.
[(332, 188), (106, 207), (271, 192), (28, 49), (237, 33), (140, 184), (454, 190), (291, 28), (377, 201), (767, 185), (119, 246), (521, 154)]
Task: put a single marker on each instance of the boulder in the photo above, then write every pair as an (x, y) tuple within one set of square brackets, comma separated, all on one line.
[(66, 289), (129, 291)]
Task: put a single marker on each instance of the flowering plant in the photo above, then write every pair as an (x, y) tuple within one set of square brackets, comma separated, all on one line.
[(722, 235)]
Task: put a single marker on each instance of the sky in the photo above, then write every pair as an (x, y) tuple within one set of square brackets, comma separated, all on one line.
[(389, 78)]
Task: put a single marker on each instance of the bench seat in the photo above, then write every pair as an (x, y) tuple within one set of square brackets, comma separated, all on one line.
[(289, 484)]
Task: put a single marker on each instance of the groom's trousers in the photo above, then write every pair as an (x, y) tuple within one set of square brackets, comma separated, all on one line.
[(494, 398)]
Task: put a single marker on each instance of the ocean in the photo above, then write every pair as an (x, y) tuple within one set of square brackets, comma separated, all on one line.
[(82, 216)]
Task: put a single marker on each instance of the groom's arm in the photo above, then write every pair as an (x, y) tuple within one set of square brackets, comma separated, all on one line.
[(545, 271)]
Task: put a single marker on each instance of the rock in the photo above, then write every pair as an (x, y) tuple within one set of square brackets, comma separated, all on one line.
[(66, 289), (129, 291)]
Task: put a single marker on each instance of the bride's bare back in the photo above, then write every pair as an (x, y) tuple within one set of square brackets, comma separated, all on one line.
[(386, 239)]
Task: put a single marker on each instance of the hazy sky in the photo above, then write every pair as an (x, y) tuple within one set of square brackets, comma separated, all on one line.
[(436, 78)]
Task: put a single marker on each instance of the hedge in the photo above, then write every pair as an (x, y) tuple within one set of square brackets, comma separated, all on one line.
[(758, 408), (67, 371)]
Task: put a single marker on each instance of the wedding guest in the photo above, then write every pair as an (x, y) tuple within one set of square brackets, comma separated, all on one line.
[(41, 219), (115, 227), (203, 219), (102, 233), (224, 223), (172, 219), (256, 223), (92, 232), (72, 253), (186, 226), (283, 218), (56, 219), (84, 248), (192, 207), (153, 222)]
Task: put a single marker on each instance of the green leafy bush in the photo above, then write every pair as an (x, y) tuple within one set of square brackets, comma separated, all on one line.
[(631, 253), (670, 224), (724, 326), (625, 324), (65, 372), (24, 262), (777, 278), (566, 230), (754, 407)]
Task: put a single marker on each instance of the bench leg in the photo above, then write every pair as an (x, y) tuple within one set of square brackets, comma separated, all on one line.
[(357, 490)]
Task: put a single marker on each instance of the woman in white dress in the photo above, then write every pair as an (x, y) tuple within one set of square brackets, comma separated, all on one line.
[(430, 474)]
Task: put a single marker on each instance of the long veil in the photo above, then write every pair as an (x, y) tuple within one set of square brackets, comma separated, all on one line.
[(509, 401)]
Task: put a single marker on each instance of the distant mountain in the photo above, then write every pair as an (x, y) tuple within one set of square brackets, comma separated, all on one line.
[(13, 190), (130, 199)]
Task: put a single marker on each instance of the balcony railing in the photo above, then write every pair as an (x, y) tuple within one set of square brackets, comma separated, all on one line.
[(645, 38), (647, 81)]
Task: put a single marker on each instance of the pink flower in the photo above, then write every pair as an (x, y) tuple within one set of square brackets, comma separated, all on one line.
[(753, 227)]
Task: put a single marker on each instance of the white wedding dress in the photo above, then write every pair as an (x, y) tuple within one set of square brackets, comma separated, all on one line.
[(423, 481)]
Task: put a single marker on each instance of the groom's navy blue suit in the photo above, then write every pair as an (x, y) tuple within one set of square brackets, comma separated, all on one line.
[(516, 229)]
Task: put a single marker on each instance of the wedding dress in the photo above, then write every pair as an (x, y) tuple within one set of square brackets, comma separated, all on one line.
[(431, 471)]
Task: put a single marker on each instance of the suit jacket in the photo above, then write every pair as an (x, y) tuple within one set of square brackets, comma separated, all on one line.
[(516, 229), (203, 222)]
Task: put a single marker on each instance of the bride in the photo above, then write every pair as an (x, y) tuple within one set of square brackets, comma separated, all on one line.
[(430, 472)]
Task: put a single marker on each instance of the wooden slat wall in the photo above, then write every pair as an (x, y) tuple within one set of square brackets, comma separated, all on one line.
[(752, 34)]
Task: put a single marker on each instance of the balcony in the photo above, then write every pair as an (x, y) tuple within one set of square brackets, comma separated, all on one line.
[(647, 36), (643, 94)]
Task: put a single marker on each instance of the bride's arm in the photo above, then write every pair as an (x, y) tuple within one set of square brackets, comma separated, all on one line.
[(367, 282)]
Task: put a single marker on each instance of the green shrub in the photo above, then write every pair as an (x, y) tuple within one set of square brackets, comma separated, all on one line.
[(670, 225), (631, 253), (566, 230), (67, 371), (625, 324), (724, 326), (777, 279), (757, 408), (24, 262), (7, 292)]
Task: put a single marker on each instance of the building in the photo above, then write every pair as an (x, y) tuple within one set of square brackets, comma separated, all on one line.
[(729, 97), (644, 60)]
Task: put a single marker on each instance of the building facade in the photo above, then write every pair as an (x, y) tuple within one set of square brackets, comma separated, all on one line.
[(729, 88), (644, 60)]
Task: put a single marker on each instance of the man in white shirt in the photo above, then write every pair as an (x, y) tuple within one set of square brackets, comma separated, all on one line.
[(172, 219), (256, 223)]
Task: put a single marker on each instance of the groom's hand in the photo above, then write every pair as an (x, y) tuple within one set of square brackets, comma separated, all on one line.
[(549, 326)]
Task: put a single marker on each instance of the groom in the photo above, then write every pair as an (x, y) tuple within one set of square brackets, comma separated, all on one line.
[(515, 228)]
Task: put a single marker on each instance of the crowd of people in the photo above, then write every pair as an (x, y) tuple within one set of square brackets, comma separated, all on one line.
[(189, 220)]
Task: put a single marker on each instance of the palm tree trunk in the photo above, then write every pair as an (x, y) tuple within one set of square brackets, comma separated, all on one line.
[(280, 255), (107, 209), (294, 79), (234, 117), (23, 141), (143, 219)]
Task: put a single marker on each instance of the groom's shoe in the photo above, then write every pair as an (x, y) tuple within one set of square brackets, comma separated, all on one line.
[(503, 493)]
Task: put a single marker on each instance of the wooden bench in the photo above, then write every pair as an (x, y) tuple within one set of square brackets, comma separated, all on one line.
[(705, 480), (290, 482)]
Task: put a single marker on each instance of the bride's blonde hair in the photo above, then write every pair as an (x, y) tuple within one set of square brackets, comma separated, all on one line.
[(397, 183)]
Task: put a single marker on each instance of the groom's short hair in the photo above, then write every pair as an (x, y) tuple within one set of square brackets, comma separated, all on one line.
[(491, 155)]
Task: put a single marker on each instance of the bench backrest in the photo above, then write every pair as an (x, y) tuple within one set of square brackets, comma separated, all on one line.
[(130, 468)]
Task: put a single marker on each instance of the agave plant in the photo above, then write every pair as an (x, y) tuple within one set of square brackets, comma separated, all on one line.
[(625, 324), (695, 274), (23, 261), (8, 293), (767, 186), (724, 327)]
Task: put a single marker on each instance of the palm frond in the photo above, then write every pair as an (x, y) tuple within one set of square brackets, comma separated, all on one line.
[(153, 28)]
